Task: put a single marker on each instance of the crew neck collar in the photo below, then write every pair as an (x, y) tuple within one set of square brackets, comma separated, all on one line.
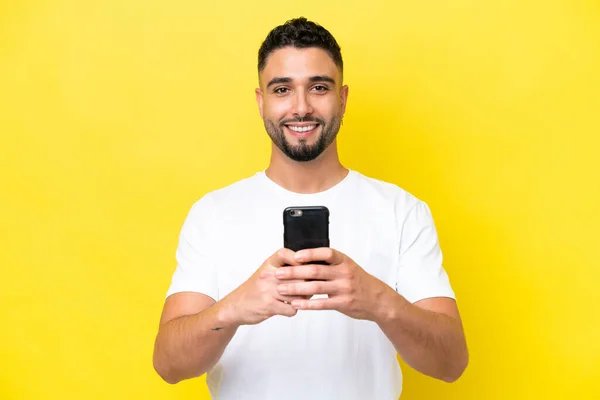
[(280, 190)]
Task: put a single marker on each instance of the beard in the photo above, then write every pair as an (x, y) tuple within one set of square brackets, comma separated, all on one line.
[(303, 151)]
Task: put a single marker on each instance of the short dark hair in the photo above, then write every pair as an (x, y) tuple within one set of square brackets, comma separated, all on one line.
[(301, 34)]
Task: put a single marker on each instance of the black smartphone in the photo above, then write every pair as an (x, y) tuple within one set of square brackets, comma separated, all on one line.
[(306, 228)]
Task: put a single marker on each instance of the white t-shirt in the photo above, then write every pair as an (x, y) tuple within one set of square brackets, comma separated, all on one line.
[(314, 355)]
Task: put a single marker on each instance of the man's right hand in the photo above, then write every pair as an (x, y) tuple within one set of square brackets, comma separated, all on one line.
[(257, 299)]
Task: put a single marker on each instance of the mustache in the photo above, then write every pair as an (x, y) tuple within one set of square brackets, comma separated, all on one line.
[(302, 119)]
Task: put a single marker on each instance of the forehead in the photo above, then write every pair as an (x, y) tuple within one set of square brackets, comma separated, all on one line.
[(298, 64)]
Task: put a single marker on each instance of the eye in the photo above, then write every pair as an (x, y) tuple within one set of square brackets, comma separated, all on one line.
[(320, 88), (281, 90)]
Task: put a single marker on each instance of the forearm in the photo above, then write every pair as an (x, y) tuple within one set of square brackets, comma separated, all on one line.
[(189, 346), (430, 342)]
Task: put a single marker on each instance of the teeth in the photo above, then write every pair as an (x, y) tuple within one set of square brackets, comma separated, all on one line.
[(302, 128)]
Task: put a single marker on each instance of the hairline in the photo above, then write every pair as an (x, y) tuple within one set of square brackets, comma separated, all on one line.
[(268, 56)]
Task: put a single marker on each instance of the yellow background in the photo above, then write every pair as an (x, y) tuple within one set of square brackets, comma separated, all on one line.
[(115, 116)]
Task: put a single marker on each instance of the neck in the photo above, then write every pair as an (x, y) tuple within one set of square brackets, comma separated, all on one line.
[(313, 176)]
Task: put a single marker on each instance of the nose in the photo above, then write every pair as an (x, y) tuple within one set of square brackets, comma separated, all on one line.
[(302, 106)]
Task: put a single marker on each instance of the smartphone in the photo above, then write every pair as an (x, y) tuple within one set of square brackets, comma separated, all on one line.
[(306, 228)]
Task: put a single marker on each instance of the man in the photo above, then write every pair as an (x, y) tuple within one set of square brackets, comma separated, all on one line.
[(267, 323)]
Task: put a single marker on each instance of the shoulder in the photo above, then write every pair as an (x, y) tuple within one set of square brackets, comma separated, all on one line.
[(412, 215), (402, 200), (226, 196)]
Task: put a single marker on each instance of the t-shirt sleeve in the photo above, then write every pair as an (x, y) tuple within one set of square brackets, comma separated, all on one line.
[(421, 274), (195, 270)]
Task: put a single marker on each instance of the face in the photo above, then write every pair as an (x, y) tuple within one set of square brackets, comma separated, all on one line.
[(301, 101)]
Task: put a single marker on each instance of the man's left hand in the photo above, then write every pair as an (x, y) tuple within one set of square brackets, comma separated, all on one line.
[(350, 289)]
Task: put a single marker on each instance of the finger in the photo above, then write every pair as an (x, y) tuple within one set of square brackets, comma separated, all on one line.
[(308, 288), (282, 258), (326, 254), (302, 272), (332, 303), (284, 309), (289, 299)]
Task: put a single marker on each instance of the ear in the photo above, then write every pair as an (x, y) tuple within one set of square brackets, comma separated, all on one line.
[(344, 98), (259, 100)]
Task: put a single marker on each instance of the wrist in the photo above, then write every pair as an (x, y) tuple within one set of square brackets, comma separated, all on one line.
[(225, 315), (390, 305)]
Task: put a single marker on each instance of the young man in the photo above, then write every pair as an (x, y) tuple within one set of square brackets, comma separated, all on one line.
[(306, 331)]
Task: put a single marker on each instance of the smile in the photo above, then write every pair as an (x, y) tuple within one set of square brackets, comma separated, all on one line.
[(302, 129)]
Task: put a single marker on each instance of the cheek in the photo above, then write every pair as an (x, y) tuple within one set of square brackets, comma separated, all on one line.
[(275, 110), (327, 107)]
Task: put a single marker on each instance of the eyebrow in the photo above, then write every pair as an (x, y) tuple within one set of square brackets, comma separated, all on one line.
[(312, 79)]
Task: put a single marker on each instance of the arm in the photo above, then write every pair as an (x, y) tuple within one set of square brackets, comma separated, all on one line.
[(428, 335), (420, 317), (195, 330), (187, 344)]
